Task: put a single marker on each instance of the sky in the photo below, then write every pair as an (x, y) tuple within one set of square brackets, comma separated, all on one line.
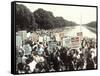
[(80, 15)]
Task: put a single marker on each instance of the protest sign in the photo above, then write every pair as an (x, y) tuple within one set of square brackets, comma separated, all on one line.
[(75, 42)]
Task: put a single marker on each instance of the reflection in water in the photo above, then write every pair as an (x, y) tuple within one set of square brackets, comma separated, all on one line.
[(72, 31)]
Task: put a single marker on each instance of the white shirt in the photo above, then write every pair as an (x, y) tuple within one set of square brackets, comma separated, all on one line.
[(32, 65)]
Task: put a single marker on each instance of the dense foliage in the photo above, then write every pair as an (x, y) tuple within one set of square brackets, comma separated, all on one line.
[(40, 19), (92, 24), (24, 18)]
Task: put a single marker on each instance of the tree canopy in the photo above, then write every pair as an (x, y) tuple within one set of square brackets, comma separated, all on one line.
[(24, 18), (91, 24), (39, 19)]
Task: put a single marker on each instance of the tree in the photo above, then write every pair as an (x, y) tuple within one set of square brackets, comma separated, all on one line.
[(39, 19), (24, 18), (60, 22), (44, 19), (92, 24)]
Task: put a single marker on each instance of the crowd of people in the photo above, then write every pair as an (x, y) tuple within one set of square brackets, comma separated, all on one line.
[(35, 57)]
